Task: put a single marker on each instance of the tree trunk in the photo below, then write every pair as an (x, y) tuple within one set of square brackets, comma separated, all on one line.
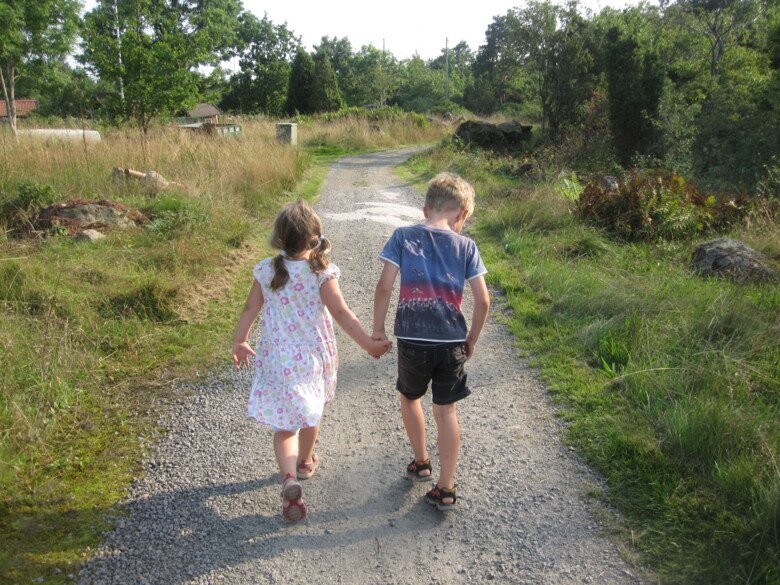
[(8, 94)]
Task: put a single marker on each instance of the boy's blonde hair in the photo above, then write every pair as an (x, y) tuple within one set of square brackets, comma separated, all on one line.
[(449, 192)]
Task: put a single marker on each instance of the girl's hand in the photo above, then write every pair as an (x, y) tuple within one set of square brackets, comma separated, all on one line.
[(377, 348), (242, 353)]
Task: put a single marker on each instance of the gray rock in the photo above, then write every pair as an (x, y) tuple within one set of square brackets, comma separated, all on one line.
[(90, 215), (731, 259), (88, 236)]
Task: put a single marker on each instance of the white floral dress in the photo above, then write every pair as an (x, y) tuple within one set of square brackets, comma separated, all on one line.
[(297, 361)]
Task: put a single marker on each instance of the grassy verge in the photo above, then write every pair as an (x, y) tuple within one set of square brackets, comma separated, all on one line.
[(670, 383), (92, 334)]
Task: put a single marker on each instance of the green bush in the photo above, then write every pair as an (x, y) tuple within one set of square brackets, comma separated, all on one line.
[(20, 202), (649, 206)]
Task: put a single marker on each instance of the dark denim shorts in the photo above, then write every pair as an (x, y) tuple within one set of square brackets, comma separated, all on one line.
[(440, 364)]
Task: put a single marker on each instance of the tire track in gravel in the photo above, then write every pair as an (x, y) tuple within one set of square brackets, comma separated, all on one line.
[(207, 508)]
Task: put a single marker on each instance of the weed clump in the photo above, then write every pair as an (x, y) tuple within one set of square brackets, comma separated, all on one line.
[(649, 206)]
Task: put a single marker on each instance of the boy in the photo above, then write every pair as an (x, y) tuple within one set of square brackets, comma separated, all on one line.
[(435, 262)]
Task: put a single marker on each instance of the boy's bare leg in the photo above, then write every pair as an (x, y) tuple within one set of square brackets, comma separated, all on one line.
[(414, 421), (286, 451), (307, 437), (448, 439)]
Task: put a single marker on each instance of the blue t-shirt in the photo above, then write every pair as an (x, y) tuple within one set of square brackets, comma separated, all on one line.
[(434, 265)]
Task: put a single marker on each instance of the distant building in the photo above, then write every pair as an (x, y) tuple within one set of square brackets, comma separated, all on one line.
[(206, 114), (23, 107), (205, 118)]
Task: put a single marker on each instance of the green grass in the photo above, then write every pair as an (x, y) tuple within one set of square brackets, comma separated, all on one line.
[(670, 384)]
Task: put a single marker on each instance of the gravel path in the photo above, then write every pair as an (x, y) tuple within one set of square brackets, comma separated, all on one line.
[(207, 507)]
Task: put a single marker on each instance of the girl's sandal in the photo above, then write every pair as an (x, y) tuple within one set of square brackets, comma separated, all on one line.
[(293, 505), (294, 510), (415, 468), (291, 488), (306, 470), (437, 495)]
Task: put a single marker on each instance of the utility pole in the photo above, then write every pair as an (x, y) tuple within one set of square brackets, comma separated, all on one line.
[(382, 77), (446, 69)]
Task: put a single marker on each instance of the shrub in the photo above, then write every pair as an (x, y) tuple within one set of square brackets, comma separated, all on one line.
[(650, 205), (21, 202)]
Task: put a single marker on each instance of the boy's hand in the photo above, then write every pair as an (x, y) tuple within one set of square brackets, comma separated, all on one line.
[(242, 353), (470, 346), (377, 348), (379, 336)]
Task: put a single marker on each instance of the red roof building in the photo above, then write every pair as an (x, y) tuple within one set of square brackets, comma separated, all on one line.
[(23, 107)]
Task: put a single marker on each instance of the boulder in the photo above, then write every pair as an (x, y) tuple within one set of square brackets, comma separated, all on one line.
[(482, 134), (731, 259), (78, 215), (492, 136), (515, 132)]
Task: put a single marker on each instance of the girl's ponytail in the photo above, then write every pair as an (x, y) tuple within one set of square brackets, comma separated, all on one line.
[(318, 260), (281, 276)]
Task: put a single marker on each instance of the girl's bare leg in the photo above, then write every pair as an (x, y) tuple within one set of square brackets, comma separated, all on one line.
[(414, 421), (307, 437), (286, 450)]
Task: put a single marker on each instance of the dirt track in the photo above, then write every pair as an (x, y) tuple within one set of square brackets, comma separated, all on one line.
[(207, 508)]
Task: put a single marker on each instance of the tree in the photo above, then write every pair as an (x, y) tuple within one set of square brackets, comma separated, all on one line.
[(500, 67), (421, 88), (32, 31), (635, 81), (299, 90), (458, 61), (325, 93), (375, 76), (342, 60), (265, 51), (60, 89), (151, 49)]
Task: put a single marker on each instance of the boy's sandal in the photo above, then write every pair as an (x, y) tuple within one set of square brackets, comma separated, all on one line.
[(437, 495), (294, 510), (415, 468), (306, 470), (291, 488)]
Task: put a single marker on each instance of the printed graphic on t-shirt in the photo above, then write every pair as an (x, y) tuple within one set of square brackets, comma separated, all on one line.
[(434, 265)]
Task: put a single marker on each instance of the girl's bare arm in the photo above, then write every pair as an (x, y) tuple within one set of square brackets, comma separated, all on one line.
[(332, 299), (242, 351)]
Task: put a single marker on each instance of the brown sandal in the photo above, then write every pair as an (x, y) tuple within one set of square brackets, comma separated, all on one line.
[(437, 495), (414, 469)]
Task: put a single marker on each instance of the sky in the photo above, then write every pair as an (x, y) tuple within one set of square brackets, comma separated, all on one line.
[(406, 27)]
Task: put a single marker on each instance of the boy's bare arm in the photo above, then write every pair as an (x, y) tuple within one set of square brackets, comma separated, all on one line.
[(479, 315), (384, 290)]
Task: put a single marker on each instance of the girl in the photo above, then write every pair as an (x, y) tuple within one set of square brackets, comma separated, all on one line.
[(296, 358)]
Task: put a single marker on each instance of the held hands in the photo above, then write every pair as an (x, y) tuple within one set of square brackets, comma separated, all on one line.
[(242, 354), (379, 345)]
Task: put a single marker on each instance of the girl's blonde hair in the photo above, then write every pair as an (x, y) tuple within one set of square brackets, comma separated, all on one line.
[(297, 229)]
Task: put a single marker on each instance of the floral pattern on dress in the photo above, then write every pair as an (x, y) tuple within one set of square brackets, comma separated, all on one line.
[(297, 359)]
